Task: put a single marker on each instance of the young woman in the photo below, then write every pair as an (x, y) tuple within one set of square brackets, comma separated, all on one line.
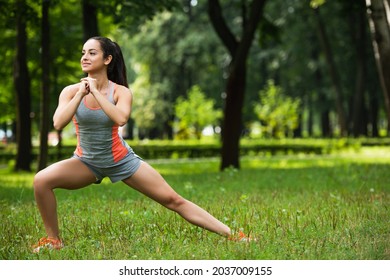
[(98, 105)]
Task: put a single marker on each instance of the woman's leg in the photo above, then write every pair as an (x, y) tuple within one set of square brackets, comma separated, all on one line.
[(149, 182), (67, 174)]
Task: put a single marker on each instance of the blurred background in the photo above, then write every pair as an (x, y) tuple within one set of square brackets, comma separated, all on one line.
[(210, 77)]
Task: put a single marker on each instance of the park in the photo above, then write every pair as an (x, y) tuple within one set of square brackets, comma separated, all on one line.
[(277, 126)]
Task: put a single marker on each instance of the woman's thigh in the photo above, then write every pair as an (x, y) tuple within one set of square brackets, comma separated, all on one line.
[(149, 182), (68, 174)]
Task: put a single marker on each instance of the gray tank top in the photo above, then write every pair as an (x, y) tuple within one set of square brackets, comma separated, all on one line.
[(98, 139)]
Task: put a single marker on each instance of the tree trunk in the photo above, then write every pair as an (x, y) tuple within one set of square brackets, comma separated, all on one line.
[(45, 44), (333, 73), (235, 87), (297, 132), (23, 94), (326, 129), (232, 122), (90, 22), (378, 14), (321, 105), (359, 125), (374, 115), (310, 119)]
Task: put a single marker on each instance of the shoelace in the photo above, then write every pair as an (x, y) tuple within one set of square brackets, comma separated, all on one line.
[(52, 243), (242, 237)]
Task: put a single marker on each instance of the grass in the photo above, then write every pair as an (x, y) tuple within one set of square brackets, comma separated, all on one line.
[(299, 207)]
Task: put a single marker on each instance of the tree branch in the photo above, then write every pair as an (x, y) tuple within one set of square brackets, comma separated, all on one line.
[(238, 49), (256, 11), (220, 26)]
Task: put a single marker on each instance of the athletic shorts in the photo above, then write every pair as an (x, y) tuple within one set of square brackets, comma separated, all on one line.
[(124, 169)]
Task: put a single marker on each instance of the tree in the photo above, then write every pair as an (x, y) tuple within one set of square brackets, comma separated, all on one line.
[(7, 54), (378, 15), (45, 100), (359, 120), (90, 22), (23, 94), (333, 72), (236, 81), (195, 113), (176, 50)]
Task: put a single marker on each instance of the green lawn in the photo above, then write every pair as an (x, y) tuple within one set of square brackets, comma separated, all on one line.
[(298, 207)]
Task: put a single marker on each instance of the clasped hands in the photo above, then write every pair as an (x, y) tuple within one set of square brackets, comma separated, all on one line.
[(87, 85)]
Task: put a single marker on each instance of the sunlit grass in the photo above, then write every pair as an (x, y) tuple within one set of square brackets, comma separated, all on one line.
[(299, 207)]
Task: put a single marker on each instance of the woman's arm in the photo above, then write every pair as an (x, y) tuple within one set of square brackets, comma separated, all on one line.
[(68, 103)]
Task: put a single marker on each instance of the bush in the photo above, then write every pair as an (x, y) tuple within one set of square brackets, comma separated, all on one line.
[(159, 149)]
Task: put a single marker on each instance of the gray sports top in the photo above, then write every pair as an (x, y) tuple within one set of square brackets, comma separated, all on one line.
[(98, 140)]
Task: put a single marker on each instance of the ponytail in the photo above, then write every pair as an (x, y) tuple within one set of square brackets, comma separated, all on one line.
[(116, 70)]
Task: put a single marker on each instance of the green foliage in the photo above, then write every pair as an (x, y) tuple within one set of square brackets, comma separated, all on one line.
[(195, 113), (139, 10), (179, 49), (150, 110), (277, 112), (300, 208), (317, 3), (7, 56), (211, 148), (7, 100)]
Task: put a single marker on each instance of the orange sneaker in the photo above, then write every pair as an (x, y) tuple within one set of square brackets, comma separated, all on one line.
[(49, 243), (241, 237)]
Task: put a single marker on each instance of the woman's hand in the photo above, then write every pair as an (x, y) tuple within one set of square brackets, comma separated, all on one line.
[(90, 85), (84, 87)]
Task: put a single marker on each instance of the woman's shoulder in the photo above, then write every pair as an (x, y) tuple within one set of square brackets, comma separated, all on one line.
[(119, 89), (71, 89), (122, 92)]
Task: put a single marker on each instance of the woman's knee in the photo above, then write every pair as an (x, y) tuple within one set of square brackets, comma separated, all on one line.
[(41, 182)]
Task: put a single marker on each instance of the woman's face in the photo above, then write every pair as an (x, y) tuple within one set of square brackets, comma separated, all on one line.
[(92, 57)]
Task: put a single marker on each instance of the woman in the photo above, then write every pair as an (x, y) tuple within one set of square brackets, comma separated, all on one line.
[(98, 105)]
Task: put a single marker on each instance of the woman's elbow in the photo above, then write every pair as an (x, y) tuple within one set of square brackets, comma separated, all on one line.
[(122, 123), (57, 125), (122, 119)]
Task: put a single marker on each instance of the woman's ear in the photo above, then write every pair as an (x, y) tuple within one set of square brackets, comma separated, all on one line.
[(108, 60)]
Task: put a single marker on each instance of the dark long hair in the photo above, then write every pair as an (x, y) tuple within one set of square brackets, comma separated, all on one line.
[(116, 70)]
